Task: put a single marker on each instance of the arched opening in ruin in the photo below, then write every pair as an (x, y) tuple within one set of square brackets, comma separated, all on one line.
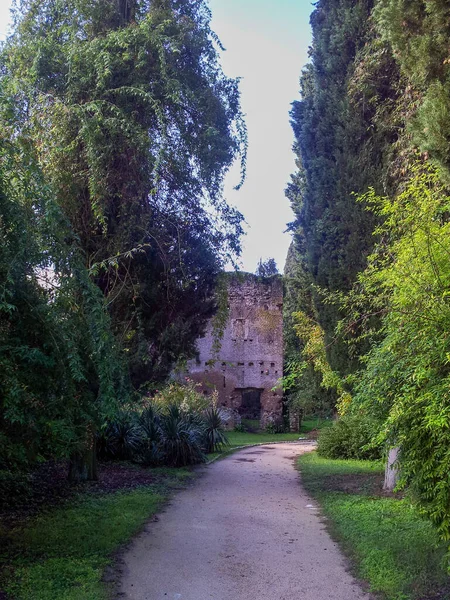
[(250, 403)]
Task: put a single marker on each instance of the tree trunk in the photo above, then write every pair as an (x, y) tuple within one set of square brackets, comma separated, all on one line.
[(83, 465), (126, 10), (391, 474), (295, 420)]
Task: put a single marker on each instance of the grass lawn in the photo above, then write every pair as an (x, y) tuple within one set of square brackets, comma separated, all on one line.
[(248, 438), (315, 423), (390, 545), (62, 554), (243, 438)]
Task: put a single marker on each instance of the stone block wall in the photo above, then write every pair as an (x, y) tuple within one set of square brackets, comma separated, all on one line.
[(246, 370)]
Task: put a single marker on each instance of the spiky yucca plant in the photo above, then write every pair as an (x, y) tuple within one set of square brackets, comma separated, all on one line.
[(120, 439), (214, 434), (181, 439)]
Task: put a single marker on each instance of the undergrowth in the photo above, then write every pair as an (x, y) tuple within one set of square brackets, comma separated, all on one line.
[(62, 554), (390, 544)]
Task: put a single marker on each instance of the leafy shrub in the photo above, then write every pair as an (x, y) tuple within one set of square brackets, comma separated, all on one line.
[(195, 419), (173, 434), (170, 437), (149, 422), (149, 452), (13, 486), (240, 427), (186, 396), (350, 437), (181, 439), (121, 438), (406, 379), (214, 436)]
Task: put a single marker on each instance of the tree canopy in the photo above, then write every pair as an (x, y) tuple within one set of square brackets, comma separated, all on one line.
[(266, 268), (129, 125)]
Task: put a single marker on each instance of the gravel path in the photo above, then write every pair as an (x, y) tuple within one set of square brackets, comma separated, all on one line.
[(245, 530)]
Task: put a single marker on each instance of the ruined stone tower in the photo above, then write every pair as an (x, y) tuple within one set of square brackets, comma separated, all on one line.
[(247, 368)]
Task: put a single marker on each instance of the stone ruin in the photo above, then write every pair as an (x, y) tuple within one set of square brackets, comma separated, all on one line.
[(246, 369)]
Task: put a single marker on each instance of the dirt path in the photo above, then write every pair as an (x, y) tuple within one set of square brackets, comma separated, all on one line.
[(245, 531)]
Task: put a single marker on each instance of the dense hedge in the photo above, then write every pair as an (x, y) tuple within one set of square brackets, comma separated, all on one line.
[(350, 437)]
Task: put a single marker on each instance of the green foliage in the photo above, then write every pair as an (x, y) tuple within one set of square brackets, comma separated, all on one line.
[(389, 543), (149, 451), (335, 157), (350, 437), (410, 269), (119, 127), (374, 116), (177, 428), (301, 381), (250, 425), (121, 438), (215, 438), (315, 362), (185, 396), (277, 426), (266, 268), (417, 34), (340, 135), (240, 428), (181, 439), (141, 128), (314, 351), (63, 553), (27, 348), (61, 371)]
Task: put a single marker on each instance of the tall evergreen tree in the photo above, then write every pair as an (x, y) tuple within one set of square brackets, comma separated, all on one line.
[(331, 143), (343, 126)]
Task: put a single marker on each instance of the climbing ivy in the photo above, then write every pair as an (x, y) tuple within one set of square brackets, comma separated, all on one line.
[(221, 316)]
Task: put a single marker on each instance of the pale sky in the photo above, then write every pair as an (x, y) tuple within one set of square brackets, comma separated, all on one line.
[(266, 45)]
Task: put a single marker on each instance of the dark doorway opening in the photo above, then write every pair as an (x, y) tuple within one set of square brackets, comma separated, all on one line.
[(251, 404)]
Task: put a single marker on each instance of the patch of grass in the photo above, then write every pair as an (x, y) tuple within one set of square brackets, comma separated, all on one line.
[(173, 477), (316, 470), (315, 423), (213, 455), (239, 438), (390, 544), (62, 554)]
